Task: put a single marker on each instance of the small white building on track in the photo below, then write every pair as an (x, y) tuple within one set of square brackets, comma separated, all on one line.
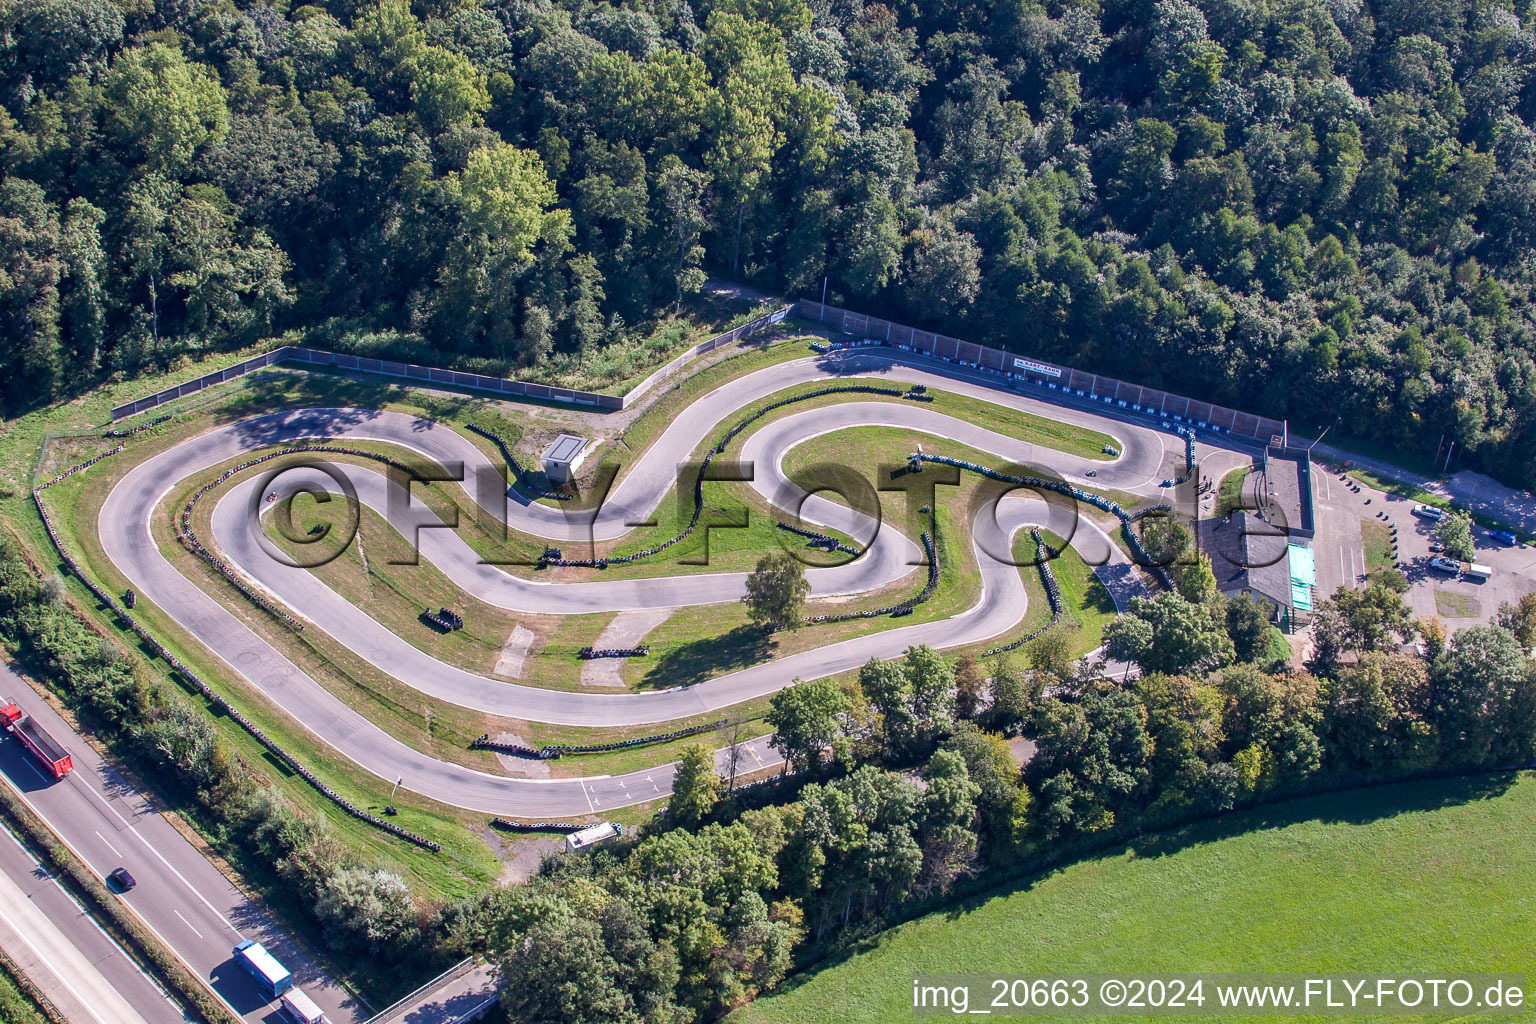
[(564, 456)]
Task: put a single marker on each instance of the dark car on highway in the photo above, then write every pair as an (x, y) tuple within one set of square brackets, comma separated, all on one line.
[(122, 880)]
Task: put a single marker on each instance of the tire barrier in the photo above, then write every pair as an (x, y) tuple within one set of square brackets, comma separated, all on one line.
[(1058, 486), (698, 483), (141, 427), (1140, 556), (588, 653), (72, 470), (903, 607), (1189, 453), (443, 620), (212, 696), (538, 826), (524, 478), (189, 539), (1138, 553), (821, 540), (1052, 596), (554, 752)]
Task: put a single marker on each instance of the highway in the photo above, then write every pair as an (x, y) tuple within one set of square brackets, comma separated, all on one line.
[(194, 909), (123, 526), (85, 974)]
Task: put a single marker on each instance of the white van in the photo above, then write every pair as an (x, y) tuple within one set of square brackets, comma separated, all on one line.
[(1478, 572), (1429, 512), (301, 1009)]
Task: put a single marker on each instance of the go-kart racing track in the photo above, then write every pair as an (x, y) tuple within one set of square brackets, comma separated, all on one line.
[(125, 518)]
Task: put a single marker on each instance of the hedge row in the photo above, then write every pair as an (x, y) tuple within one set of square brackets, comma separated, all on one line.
[(698, 483), (556, 751), (821, 540), (524, 478), (213, 697)]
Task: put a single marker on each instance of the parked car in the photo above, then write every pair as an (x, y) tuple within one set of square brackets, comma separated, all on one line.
[(1429, 512), (1446, 564), (1504, 537), (122, 880)]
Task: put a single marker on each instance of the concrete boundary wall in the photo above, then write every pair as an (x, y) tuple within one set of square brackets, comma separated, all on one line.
[(455, 378), (1117, 393)]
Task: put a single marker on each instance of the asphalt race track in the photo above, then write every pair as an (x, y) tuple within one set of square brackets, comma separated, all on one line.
[(124, 530)]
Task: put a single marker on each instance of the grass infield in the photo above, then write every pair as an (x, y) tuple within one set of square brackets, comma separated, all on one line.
[(1387, 872)]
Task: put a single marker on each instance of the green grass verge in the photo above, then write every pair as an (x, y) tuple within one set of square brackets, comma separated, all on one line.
[(1230, 496), (1377, 538), (1451, 605), (1393, 878), (20, 1000)]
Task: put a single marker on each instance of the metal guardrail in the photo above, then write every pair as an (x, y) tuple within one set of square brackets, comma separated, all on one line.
[(438, 375), (452, 974), (1094, 387)]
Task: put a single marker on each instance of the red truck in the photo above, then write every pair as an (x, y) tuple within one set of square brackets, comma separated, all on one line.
[(36, 739)]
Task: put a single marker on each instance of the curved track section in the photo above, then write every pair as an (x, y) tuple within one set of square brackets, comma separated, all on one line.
[(124, 528)]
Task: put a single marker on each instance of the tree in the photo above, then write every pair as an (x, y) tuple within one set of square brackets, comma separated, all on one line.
[(1015, 694), (1520, 619), (776, 592), (1170, 635), (680, 192), (695, 786), (970, 687), (162, 107), (806, 719), (1361, 621), (948, 815), (507, 201), (366, 910), (1454, 531), (915, 698), (1375, 715), (1484, 699)]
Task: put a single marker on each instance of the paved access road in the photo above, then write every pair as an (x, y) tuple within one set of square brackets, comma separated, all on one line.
[(181, 896), (124, 530)]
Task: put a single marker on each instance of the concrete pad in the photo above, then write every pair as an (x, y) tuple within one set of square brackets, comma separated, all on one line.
[(514, 654), (626, 630)]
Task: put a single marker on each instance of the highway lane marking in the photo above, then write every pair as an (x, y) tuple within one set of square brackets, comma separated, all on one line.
[(187, 923), (207, 983), (160, 857), (108, 842), (22, 934)]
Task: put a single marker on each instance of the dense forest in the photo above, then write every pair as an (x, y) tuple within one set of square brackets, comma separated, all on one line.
[(1318, 209)]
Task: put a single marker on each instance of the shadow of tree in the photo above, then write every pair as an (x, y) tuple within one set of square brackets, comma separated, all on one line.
[(705, 658)]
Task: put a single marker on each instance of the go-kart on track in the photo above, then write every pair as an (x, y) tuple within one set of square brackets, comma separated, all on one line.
[(125, 518)]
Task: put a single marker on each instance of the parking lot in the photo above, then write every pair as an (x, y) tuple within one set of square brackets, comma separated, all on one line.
[(1459, 602)]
